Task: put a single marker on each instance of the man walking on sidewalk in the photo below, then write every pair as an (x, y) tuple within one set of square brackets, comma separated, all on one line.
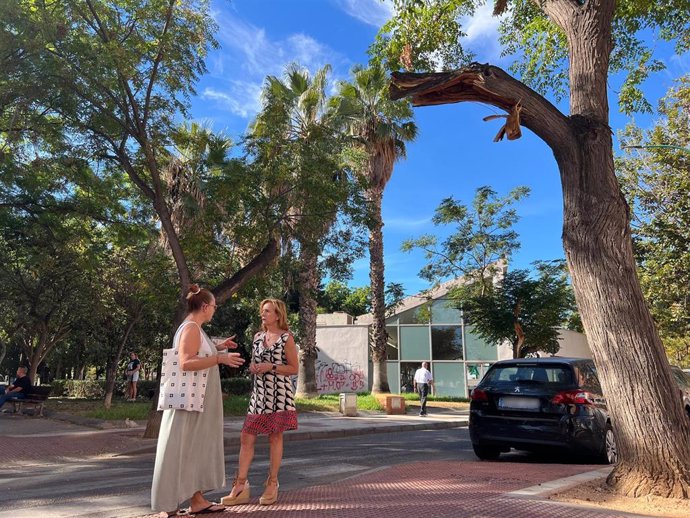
[(422, 383)]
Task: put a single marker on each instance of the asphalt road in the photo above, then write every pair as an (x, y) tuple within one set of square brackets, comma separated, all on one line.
[(120, 486)]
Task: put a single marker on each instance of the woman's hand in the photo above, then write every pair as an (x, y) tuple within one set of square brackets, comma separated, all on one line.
[(227, 343), (260, 368), (230, 359)]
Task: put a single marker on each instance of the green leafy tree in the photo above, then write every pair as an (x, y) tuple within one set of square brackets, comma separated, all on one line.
[(570, 48), (296, 134), (115, 76), (656, 183), (483, 237), (337, 296), (380, 128), (524, 308)]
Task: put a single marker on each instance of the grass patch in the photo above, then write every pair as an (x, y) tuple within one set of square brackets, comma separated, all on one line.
[(93, 408), (413, 396), (331, 403), (233, 406)]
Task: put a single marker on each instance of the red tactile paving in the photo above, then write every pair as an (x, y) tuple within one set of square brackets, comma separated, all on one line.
[(429, 489)]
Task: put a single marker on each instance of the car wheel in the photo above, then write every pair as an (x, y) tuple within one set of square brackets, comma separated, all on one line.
[(486, 452), (610, 451)]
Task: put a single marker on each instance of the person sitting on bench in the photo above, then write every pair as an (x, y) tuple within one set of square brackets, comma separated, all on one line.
[(19, 389)]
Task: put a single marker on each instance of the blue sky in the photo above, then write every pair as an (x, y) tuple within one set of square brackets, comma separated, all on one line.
[(454, 153)]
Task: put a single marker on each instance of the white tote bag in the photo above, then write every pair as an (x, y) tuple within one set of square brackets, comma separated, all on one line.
[(182, 390)]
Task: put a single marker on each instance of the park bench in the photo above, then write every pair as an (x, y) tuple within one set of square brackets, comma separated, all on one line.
[(36, 398)]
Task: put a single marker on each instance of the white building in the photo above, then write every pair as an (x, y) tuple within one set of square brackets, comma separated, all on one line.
[(424, 328)]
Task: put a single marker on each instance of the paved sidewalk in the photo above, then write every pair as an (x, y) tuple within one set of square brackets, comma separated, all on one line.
[(451, 489), (471, 489)]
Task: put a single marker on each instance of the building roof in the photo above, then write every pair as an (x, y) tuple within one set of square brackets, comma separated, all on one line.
[(433, 293)]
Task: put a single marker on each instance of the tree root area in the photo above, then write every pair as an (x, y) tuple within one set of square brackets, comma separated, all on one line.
[(598, 494)]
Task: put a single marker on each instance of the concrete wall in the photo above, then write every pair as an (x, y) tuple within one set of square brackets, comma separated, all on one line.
[(342, 363), (573, 345)]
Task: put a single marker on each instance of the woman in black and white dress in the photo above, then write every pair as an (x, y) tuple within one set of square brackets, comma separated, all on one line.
[(272, 403)]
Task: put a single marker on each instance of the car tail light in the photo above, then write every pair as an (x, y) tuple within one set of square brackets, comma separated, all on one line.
[(479, 395), (573, 397)]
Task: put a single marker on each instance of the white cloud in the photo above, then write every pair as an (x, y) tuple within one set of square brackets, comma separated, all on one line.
[(482, 33), (248, 52), (405, 223), (371, 12), (240, 98)]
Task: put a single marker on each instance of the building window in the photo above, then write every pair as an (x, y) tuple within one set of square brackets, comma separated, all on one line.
[(475, 372), (449, 379), (407, 371), (393, 379), (414, 343), (443, 312), (419, 315), (392, 344), (478, 349), (446, 342)]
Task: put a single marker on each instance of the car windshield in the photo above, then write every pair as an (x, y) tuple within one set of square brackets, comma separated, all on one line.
[(530, 373)]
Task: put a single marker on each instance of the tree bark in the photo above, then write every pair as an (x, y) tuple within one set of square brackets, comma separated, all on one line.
[(652, 433), (111, 368), (378, 303), (308, 282)]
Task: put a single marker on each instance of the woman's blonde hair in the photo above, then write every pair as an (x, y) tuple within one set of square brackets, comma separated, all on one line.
[(280, 309)]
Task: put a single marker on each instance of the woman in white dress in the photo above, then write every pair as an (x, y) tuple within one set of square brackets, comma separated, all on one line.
[(189, 455)]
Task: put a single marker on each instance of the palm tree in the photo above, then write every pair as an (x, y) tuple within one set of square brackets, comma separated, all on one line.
[(380, 128), (295, 134)]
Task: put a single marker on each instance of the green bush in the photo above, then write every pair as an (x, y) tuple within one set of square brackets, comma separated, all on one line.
[(83, 389), (58, 388), (95, 389)]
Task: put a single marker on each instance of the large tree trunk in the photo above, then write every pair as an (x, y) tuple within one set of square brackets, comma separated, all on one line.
[(378, 303), (653, 438), (651, 430), (308, 283)]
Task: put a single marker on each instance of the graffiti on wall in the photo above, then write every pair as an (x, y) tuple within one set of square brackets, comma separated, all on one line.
[(338, 377)]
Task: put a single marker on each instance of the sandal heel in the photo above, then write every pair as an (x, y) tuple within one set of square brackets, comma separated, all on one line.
[(240, 498), (272, 499)]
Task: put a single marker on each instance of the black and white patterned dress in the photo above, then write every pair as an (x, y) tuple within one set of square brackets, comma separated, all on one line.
[(272, 403)]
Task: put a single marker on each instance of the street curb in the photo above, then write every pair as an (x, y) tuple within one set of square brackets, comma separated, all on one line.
[(326, 434), (90, 422), (554, 486)]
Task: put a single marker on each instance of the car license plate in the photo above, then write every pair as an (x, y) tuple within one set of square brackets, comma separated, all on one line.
[(518, 403)]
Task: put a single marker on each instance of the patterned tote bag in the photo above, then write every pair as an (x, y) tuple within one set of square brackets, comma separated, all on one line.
[(182, 390)]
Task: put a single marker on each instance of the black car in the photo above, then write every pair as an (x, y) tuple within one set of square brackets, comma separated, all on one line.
[(538, 403), (683, 381)]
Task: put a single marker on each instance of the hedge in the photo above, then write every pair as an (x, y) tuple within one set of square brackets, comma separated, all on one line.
[(95, 389)]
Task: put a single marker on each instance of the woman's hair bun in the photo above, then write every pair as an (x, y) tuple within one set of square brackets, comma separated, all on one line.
[(194, 289)]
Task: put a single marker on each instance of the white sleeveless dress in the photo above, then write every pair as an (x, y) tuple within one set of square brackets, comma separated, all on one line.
[(190, 455)]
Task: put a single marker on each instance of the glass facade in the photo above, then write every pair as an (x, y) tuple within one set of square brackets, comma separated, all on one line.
[(436, 332)]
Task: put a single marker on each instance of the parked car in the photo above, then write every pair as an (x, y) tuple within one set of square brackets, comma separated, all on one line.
[(683, 381), (539, 403)]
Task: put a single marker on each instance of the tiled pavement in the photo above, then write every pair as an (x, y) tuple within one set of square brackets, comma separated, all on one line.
[(428, 489), (431, 490)]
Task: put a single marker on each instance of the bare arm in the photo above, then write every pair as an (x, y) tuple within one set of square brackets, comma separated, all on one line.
[(190, 342)]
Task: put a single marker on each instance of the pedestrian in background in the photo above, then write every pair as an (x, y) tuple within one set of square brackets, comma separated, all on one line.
[(271, 405), (132, 372), (422, 385), (190, 455)]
